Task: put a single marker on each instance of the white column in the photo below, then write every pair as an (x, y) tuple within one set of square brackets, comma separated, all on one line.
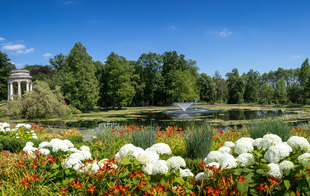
[(11, 90), (27, 86), (31, 86), (19, 89)]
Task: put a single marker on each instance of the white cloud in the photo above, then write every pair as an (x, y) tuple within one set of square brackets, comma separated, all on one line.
[(2, 39), (17, 64), (47, 54), (26, 51), (224, 33), (13, 47)]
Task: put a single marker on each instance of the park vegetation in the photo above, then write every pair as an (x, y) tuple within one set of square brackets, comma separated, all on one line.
[(130, 160), (159, 79)]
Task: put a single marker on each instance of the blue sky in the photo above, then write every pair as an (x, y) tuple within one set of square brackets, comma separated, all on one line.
[(220, 35)]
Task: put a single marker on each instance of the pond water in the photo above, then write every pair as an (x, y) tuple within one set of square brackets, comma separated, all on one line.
[(178, 117)]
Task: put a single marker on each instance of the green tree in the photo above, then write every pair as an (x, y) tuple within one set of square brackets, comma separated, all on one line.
[(281, 92), (178, 71), (251, 86), (151, 64), (207, 88), (58, 62), (220, 87), (265, 93), (78, 80), (118, 88), (235, 85), (5, 68), (304, 79), (41, 102)]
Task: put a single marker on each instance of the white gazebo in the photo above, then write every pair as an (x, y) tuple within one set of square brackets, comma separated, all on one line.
[(21, 77)]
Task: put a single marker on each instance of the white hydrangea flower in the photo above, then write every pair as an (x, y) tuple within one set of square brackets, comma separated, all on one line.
[(229, 144), (160, 167), (59, 146), (304, 159), (245, 159), (70, 162), (201, 176), (73, 150), (68, 143), (244, 145), (29, 148), (130, 151), (161, 148), (78, 166), (269, 140), (29, 144), (34, 137), (77, 156), (277, 152), (256, 143), (5, 127), (217, 165), (85, 154), (148, 168), (147, 157), (186, 173), (117, 157), (228, 161), (95, 167), (27, 126), (275, 170), (44, 151), (176, 162), (225, 149), (85, 148), (298, 142), (286, 165), (213, 156)]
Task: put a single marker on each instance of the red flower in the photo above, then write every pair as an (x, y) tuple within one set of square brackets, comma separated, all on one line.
[(63, 191), (241, 179), (26, 182), (92, 189), (263, 187), (20, 164)]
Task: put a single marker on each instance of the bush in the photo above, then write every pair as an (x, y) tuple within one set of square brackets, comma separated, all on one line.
[(75, 139), (144, 138), (41, 102), (261, 128), (198, 142)]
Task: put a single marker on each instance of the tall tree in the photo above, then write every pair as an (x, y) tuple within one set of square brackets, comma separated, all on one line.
[(265, 93), (58, 62), (304, 78), (118, 88), (207, 88), (79, 82), (281, 92), (252, 80), (5, 68), (151, 64), (220, 87), (235, 87)]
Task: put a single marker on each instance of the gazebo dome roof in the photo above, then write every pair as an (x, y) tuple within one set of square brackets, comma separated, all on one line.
[(20, 74)]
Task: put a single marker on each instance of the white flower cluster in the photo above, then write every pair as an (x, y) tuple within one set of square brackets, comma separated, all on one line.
[(5, 127), (244, 145), (149, 159), (275, 153), (298, 142)]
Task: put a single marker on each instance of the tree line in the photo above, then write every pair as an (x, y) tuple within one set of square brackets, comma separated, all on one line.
[(159, 79)]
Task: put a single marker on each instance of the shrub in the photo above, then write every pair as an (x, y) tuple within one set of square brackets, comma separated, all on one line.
[(198, 142), (70, 132), (261, 128), (75, 139), (144, 138), (41, 102), (12, 144)]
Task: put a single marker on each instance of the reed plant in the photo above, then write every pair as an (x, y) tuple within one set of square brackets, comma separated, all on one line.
[(144, 138), (198, 142), (274, 126)]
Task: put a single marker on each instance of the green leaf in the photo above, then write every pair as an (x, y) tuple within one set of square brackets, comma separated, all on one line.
[(55, 166), (287, 184), (179, 180), (286, 194), (67, 172), (125, 161), (242, 187), (261, 171)]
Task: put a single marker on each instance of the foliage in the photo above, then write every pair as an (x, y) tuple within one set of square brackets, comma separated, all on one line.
[(198, 142), (5, 68), (41, 102), (144, 138), (235, 85), (207, 88), (78, 81), (261, 128)]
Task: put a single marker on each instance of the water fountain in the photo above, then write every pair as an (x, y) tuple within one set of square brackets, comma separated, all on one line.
[(184, 106)]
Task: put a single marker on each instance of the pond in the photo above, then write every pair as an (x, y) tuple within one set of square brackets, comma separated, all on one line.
[(176, 117)]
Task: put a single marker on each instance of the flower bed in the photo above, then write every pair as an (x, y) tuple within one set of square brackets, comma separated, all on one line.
[(241, 166)]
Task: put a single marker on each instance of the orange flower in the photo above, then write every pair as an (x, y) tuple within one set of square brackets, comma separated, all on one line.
[(26, 183), (263, 187), (241, 179), (20, 164), (78, 184), (6, 153), (92, 189), (63, 191)]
